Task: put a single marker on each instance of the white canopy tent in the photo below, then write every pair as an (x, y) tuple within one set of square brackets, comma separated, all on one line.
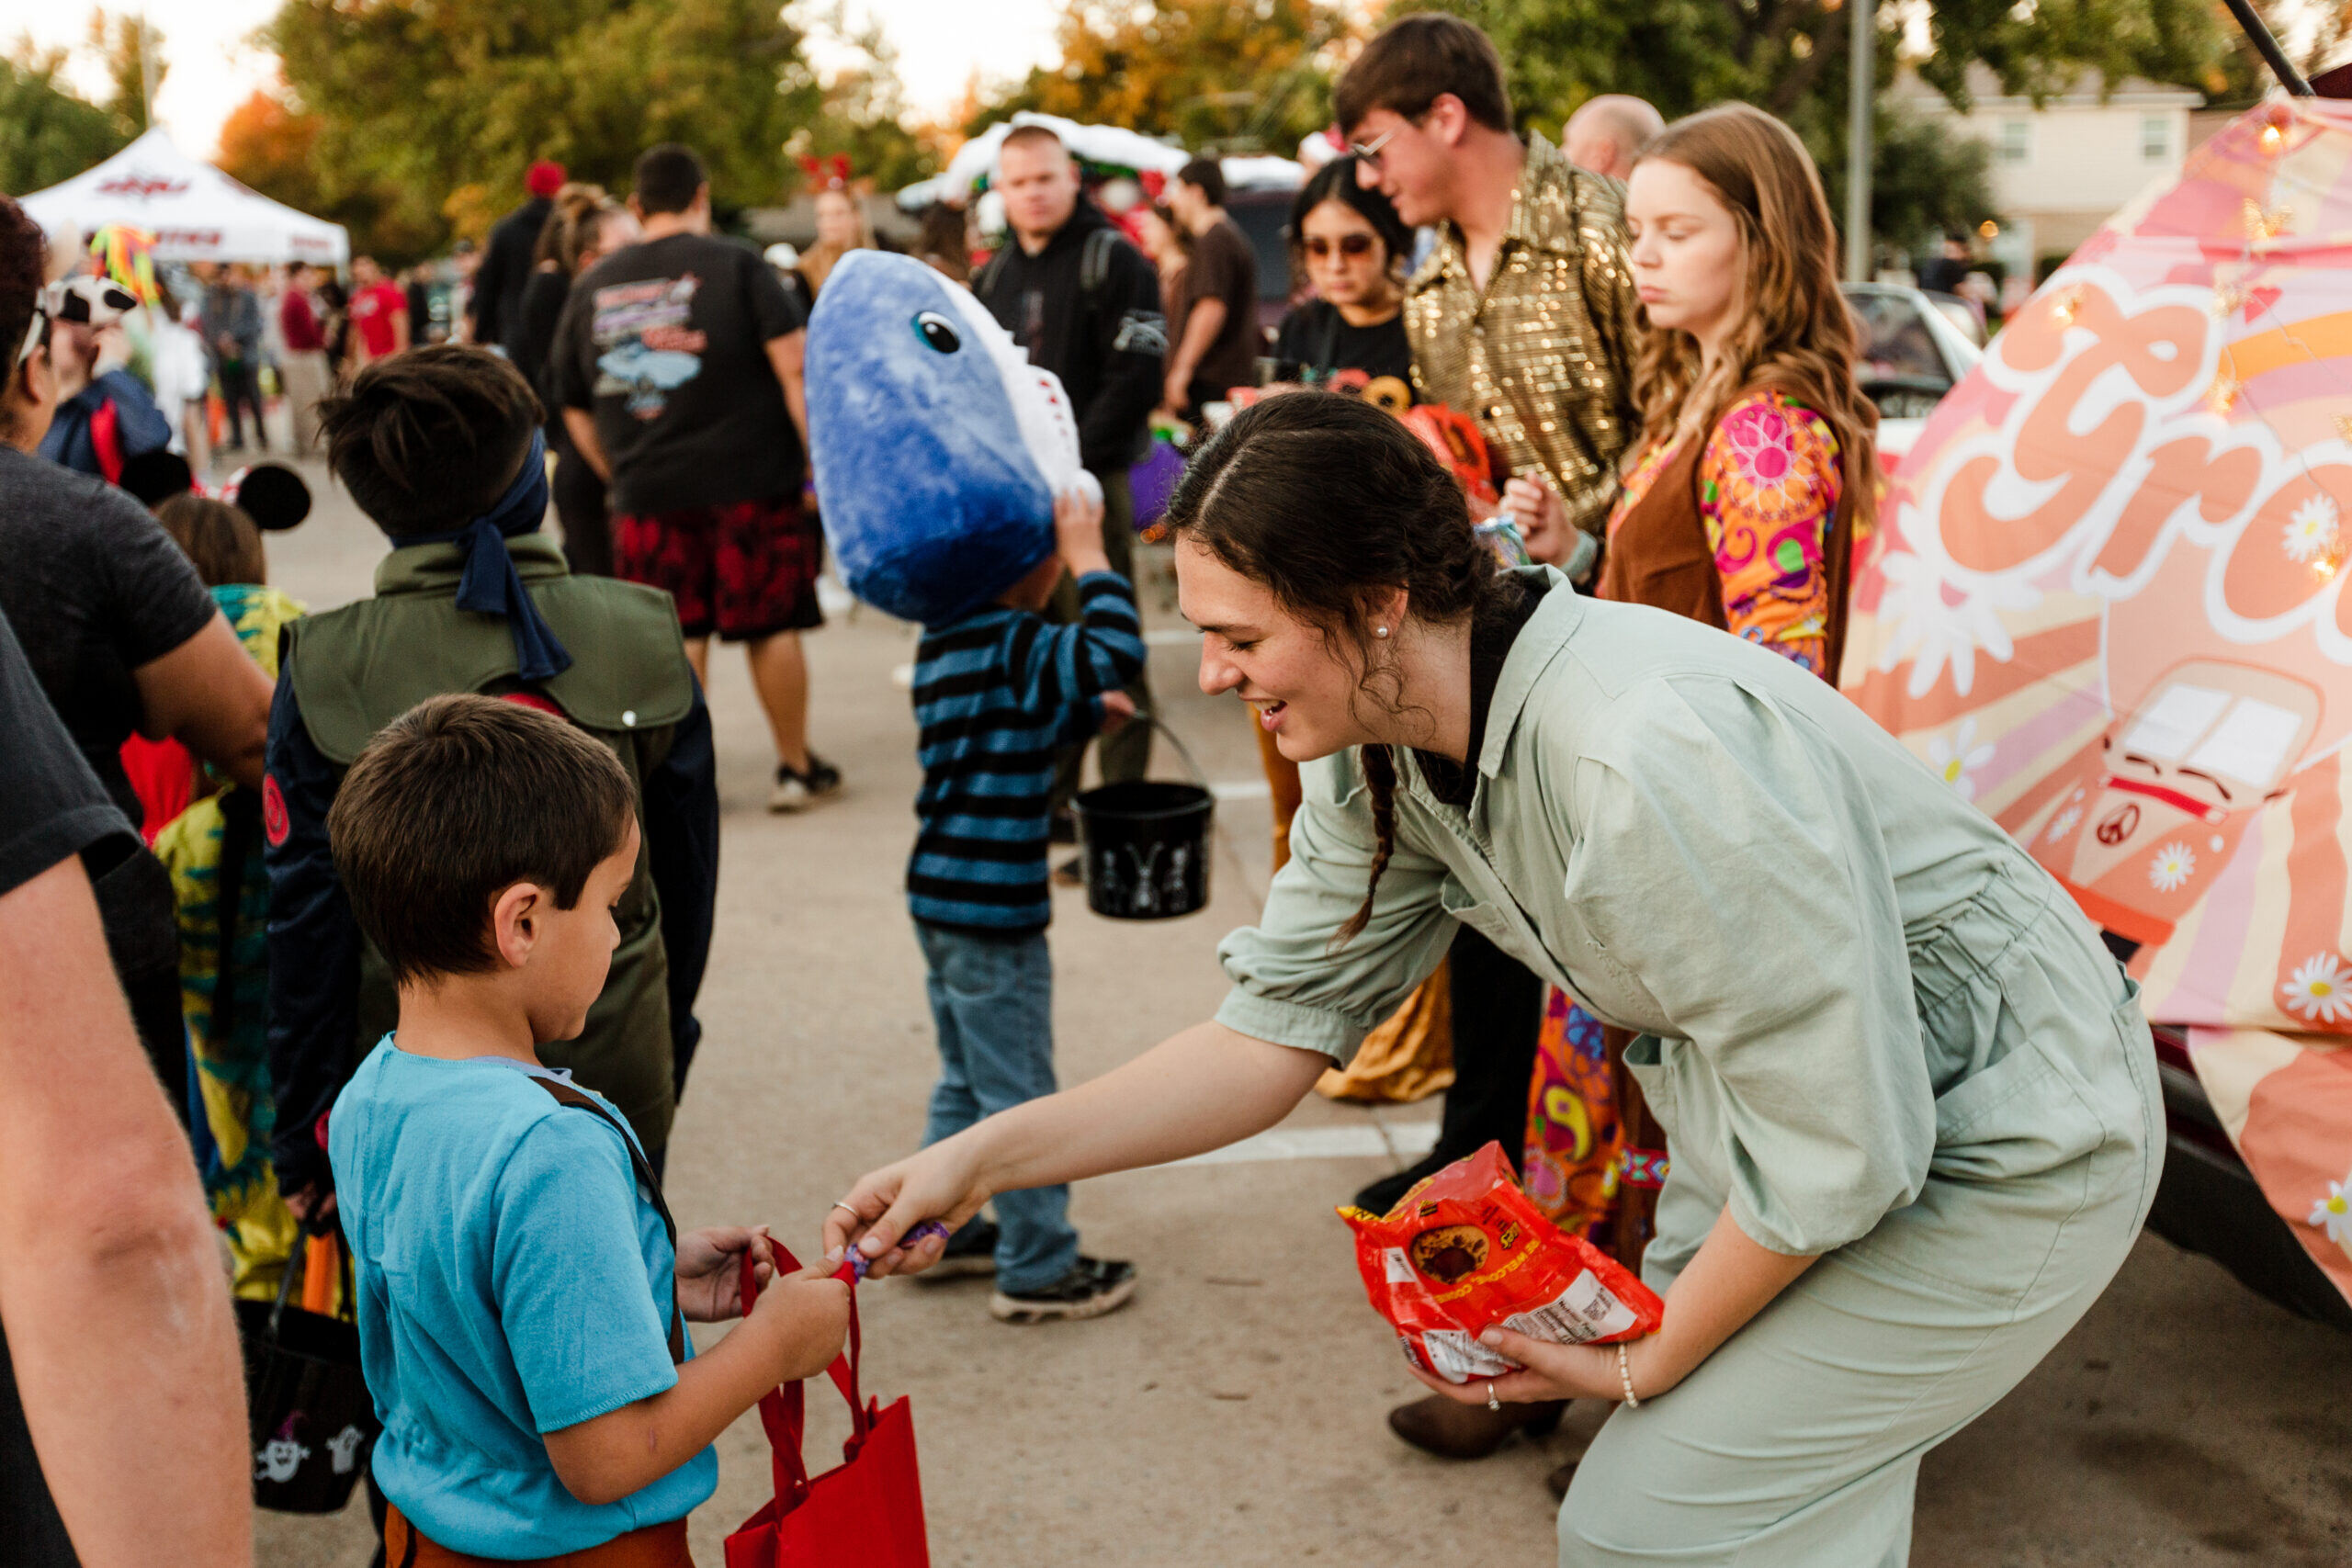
[(195, 212)]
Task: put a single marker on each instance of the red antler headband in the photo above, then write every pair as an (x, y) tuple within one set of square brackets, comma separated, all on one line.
[(827, 174)]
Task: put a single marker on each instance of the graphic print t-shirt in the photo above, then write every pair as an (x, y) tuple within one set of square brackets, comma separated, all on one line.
[(667, 344)]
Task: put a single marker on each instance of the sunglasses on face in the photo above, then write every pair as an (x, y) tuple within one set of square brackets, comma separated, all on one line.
[(1352, 245)]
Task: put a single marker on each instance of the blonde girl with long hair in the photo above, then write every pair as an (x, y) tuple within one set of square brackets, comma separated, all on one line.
[(1758, 465)]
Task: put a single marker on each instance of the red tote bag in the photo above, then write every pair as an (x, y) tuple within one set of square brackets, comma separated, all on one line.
[(868, 1512)]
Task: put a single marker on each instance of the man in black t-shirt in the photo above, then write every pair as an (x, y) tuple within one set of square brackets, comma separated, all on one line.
[(677, 363), (132, 1410), (493, 310)]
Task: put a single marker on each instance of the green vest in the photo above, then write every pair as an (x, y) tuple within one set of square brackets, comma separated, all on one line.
[(356, 669)]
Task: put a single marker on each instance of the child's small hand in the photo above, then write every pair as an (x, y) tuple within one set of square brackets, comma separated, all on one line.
[(709, 1288), (808, 1312), (1078, 532), (1117, 708)]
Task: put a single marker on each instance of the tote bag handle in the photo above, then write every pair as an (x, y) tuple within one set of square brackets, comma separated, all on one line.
[(782, 1410)]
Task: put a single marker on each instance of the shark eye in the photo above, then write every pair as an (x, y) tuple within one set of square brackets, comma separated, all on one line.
[(936, 334)]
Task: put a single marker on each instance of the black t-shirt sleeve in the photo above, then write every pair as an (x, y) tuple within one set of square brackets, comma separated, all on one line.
[(156, 599), (774, 312), (51, 804), (1298, 339)]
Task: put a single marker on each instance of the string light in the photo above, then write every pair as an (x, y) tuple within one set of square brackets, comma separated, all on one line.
[(2344, 425), (2227, 298), (2064, 306), (2272, 139), (2225, 392)]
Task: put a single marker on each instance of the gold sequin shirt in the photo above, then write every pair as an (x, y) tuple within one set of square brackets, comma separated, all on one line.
[(1542, 359)]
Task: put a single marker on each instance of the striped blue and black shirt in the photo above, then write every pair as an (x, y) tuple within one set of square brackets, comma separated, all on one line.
[(995, 693)]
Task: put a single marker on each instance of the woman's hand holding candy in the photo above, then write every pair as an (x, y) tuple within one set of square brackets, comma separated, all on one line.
[(1561, 1371), (941, 1183)]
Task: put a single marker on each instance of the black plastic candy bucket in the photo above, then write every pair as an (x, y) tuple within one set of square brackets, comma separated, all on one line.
[(1146, 844)]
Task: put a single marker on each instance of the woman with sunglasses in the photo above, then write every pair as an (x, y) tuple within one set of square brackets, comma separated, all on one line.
[(1349, 243)]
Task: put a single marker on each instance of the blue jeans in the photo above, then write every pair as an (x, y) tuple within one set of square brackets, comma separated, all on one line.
[(992, 1002)]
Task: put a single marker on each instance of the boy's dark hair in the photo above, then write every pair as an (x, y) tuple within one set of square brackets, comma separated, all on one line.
[(1206, 176), (24, 252), (667, 177), (428, 439), (455, 801), (1414, 61), (224, 543)]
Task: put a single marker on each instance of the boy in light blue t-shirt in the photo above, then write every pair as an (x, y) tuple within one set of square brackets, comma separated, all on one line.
[(521, 1292)]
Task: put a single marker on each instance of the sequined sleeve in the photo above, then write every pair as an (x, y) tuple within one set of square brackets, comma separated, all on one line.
[(1768, 484)]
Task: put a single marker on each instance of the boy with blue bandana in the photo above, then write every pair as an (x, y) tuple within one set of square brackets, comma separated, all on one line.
[(442, 447), (521, 1291)]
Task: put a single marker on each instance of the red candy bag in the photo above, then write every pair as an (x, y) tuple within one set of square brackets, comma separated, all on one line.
[(1467, 1249)]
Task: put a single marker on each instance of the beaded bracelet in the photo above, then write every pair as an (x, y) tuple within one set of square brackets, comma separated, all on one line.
[(1625, 1377)]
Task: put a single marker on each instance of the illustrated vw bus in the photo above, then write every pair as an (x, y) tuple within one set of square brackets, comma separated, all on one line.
[(2140, 836)]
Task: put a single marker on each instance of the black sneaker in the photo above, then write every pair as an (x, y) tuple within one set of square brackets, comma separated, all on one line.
[(795, 790), (1092, 1287), (970, 1251), (1072, 872)]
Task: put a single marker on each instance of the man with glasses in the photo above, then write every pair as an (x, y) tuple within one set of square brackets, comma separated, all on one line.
[(1523, 316)]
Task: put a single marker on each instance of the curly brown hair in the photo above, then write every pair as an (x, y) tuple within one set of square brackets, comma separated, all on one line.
[(1795, 334)]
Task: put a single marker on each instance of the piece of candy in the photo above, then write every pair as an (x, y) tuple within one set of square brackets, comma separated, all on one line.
[(859, 1263)]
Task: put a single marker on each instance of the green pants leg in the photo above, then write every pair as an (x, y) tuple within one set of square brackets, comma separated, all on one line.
[(1797, 1444), (1126, 755)]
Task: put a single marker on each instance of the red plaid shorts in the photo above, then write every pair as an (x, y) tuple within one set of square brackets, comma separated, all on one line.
[(744, 569)]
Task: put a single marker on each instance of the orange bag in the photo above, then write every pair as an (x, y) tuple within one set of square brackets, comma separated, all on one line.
[(1467, 1249)]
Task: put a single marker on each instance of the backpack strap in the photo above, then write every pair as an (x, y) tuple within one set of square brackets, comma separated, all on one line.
[(1094, 262), (564, 1094), (985, 284)]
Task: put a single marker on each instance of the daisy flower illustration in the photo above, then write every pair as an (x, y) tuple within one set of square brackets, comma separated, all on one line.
[(2320, 990), (2333, 1213), (2174, 864), (1956, 759), (2311, 530), (1937, 622), (2063, 823)]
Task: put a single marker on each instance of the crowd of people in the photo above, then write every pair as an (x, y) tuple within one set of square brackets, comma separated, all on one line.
[(442, 901)]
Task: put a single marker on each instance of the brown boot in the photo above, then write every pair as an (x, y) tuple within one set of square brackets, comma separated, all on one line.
[(1449, 1430)]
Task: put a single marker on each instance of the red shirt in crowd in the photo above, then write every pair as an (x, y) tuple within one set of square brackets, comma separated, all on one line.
[(297, 322), (372, 310)]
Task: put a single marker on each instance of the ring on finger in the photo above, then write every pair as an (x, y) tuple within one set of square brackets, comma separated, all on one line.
[(845, 1209)]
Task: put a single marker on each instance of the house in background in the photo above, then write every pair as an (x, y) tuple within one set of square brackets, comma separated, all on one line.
[(2060, 168)]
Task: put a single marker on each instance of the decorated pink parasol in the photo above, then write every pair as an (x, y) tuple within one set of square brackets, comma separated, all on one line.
[(2108, 605)]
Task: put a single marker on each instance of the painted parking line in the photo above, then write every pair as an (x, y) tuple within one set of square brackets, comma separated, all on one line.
[(1402, 1142)]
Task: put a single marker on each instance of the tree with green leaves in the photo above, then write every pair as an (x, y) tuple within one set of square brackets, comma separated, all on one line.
[(419, 102), (115, 38), (865, 112), (1219, 75), (48, 132), (1790, 56)]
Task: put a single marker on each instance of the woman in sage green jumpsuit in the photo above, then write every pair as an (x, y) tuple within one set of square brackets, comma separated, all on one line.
[(1910, 1102)]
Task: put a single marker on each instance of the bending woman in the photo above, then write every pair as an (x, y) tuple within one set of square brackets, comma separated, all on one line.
[(1909, 1097)]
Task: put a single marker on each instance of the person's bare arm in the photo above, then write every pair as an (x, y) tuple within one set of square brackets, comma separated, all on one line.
[(1201, 328), (1194, 1091), (794, 1331), (112, 1288), (581, 425), (788, 355), (209, 696)]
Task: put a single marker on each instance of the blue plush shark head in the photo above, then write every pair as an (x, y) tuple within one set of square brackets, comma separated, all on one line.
[(938, 447)]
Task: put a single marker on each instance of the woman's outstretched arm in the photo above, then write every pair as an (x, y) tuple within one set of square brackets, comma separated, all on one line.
[(1195, 1091)]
